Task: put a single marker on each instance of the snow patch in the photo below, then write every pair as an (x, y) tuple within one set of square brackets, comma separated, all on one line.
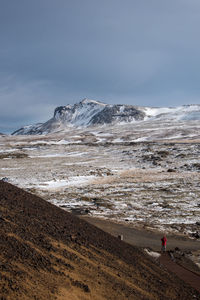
[(152, 253), (72, 181)]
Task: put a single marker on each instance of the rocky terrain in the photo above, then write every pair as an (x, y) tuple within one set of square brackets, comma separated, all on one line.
[(47, 253), (108, 173)]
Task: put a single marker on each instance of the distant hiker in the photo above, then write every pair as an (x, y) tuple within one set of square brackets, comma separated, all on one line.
[(164, 243)]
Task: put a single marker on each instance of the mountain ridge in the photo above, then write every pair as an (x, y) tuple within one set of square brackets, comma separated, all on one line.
[(95, 113)]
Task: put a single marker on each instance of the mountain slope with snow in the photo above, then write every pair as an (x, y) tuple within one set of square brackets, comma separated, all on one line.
[(83, 114), (93, 113), (179, 113)]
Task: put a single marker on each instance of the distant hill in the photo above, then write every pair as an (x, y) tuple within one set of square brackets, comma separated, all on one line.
[(86, 113), (94, 113), (47, 253)]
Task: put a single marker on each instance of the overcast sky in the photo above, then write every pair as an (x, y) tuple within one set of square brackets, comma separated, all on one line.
[(56, 52)]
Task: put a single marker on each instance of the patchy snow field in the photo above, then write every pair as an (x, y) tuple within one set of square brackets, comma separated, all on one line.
[(146, 174)]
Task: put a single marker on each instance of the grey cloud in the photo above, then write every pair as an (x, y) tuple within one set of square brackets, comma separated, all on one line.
[(56, 52)]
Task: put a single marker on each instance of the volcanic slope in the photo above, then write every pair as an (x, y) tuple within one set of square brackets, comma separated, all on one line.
[(47, 253)]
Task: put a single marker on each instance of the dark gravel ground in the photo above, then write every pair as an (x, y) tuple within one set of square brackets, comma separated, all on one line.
[(47, 253)]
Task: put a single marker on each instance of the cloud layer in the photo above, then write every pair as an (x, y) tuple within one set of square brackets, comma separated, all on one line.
[(58, 52)]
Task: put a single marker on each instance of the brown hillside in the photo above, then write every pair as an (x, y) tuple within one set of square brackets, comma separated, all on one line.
[(47, 253)]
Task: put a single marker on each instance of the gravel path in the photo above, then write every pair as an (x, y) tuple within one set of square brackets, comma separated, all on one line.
[(147, 239), (144, 238)]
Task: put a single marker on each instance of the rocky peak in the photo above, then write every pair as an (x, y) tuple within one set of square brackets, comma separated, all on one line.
[(91, 102), (60, 110)]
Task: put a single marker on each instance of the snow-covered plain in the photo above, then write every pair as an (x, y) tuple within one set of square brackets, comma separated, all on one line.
[(146, 174)]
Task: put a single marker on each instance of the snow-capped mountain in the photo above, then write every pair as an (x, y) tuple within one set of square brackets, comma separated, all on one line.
[(93, 113), (83, 114)]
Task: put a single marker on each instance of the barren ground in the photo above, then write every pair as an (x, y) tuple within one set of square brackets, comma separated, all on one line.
[(47, 253)]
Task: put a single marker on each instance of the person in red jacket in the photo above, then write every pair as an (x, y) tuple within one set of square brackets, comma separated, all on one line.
[(164, 243)]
